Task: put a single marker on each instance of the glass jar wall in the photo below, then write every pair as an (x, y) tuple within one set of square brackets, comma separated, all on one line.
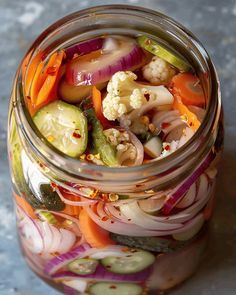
[(88, 229)]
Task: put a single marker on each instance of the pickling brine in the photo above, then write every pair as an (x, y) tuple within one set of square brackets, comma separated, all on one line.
[(114, 143)]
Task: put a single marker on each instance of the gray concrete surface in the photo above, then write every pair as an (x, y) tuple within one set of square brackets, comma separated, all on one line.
[(214, 22)]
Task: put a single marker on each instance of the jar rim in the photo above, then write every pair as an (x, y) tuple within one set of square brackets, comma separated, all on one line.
[(63, 162)]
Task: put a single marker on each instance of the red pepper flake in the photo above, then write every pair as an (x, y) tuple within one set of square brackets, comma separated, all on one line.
[(129, 219), (112, 287), (167, 147), (165, 125), (112, 221), (104, 197), (28, 97), (125, 249), (52, 71), (76, 134), (41, 165), (147, 41), (53, 186), (104, 218)]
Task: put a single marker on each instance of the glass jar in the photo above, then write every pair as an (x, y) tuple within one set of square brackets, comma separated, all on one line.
[(107, 241)]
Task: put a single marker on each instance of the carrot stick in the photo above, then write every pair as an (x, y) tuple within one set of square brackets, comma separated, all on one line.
[(188, 87), (25, 206), (96, 236), (97, 103), (191, 117), (40, 77), (52, 70), (28, 71)]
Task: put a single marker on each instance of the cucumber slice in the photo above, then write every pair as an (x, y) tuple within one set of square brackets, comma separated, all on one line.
[(19, 180), (158, 50), (100, 142), (115, 289), (64, 126), (83, 266), (135, 261), (47, 216), (154, 244), (21, 165)]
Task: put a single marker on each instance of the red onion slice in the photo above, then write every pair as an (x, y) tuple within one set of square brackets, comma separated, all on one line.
[(184, 187), (99, 66), (84, 47), (70, 291), (61, 260)]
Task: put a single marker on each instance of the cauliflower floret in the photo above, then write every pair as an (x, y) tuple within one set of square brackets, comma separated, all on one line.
[(124, 94), (169, 148), (158, 71), (115, 136), (125, 150)]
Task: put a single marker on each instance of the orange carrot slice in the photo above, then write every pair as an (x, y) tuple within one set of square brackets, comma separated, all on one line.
[(97, 103), (25, 206), (189, 88), (39, 77), (28, 71), (51, 70), (96, 236), (184, 111), (69, 209)]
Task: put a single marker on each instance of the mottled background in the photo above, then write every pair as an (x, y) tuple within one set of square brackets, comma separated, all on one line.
[(214, 22)]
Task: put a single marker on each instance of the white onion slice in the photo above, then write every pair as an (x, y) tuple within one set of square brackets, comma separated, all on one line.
[(152, 205), (189, 197), (139, 149), (187, 134), (164, 116), (84, 201), (202, 186), (30, 233), (144, 220), (111, 208), (79, 285), (67, 240), (105, 252)]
